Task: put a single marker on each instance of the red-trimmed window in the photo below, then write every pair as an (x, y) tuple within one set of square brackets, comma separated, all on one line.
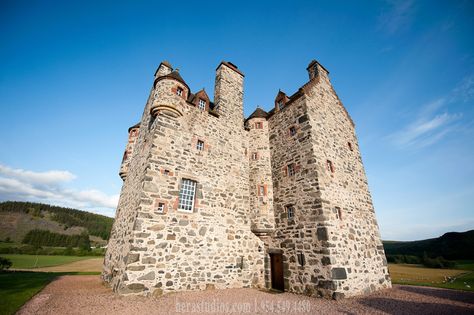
[(291, 169), (161, 207), (200, 145), (258, 125), (179, 91), (330, 166), (255, 156), (292, 131)]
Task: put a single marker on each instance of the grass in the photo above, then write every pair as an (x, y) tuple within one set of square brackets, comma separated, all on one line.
[(18, 287), (459, 279), (39, 261)]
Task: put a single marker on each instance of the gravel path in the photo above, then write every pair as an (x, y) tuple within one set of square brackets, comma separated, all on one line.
[(87, 295)]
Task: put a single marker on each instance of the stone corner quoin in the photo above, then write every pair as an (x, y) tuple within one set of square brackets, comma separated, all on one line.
[(213, 200)]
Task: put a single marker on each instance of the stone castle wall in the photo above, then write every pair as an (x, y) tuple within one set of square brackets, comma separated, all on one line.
[(330, 247)]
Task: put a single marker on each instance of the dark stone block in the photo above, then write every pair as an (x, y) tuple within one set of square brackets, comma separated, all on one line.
[(326, 261), (326, 284), (339, 273), (303, 118), (322, 234), (338, 296)]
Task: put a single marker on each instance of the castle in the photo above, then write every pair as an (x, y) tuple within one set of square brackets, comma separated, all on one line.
[(213, 200)]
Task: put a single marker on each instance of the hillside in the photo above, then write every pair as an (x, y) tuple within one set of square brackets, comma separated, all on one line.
[(452, 246), (19, 218)]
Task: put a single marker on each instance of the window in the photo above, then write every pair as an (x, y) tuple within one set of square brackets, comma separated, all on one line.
[(179, 91), (261, 190), (258, 125), (186, 195), (254, 156), (301, 259), (338, 213), (292, 131), (160, 208), (202, 104), (166, 172), (291, 169), (280, 104), (290, 211), (329, 166), (350, 146), (200, 145)]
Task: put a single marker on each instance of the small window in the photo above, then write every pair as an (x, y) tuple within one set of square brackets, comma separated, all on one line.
[(338, 213), (280, 104), (292, 131), (258, 125), (301, 259), (350, 146), (202, 104), (160, 208), (329, 166), (261, 190), (166, 172), (179, 91), (290, 211), (291, 169), (200, 145), (186, 195), (254, 156)]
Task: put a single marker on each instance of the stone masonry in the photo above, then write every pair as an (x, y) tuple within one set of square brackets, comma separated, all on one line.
[(212, 201)]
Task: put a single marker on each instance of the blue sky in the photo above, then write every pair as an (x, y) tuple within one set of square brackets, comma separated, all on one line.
[(75, 75)]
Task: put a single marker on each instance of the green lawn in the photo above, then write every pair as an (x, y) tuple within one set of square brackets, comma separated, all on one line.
[(462, 278), (18, 287), (38, 261)]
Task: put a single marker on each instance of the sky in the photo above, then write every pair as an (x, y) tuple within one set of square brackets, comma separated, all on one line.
[(75, 75)]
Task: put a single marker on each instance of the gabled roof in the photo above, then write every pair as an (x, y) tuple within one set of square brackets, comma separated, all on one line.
[(175, 75), (258, 113)]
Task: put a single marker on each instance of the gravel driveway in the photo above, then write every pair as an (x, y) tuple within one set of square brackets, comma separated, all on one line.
[(87, 295)]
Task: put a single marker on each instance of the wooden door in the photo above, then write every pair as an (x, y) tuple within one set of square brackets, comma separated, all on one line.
[(276, 266)]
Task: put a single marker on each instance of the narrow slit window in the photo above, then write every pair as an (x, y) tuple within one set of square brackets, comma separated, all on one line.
[(350, 146), (186, 195), (290, 212), (200, 145), (330, 166), (202, 104), (254, 156), (261, 190), (161, 207), (338, 213), (291, 169)]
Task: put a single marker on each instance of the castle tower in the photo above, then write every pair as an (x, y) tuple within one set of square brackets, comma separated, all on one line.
[(183, 219), (326, 237)]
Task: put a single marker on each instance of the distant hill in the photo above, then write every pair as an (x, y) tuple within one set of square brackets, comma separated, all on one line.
[(452, 246), (19, 218)]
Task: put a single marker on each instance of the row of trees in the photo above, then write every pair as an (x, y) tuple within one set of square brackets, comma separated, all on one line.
[(39, 238), (425, 260), (95, 224)]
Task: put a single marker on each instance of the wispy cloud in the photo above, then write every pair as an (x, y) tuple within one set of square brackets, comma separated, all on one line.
[(19, 184), (433, 122), (397, 17)]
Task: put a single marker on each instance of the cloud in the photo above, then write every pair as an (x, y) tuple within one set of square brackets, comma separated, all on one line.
[(433, 123), (397, 18), (48, 187)]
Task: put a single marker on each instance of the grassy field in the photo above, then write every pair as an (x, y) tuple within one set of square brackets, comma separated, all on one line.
[(39, 261), (18, 287), (461, 278)]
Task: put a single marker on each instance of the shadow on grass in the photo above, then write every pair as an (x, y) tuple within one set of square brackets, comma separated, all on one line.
[(17, 287)]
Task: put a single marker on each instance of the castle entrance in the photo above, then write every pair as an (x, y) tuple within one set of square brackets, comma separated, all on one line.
[(276, 266)]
